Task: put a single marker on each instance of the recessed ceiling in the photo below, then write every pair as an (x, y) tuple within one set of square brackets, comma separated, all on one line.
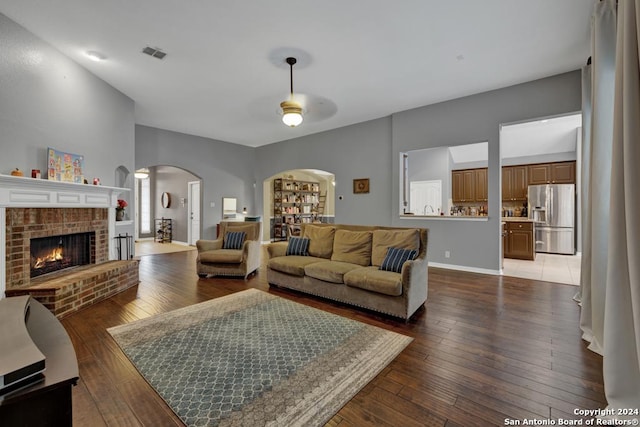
[(224, 75)]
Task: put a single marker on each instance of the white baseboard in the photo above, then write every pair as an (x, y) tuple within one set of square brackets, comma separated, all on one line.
[(465, 268), (177, 242)]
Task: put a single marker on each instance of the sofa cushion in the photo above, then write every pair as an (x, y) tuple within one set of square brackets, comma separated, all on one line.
[(233, 239), (223, 256), (293, 264), (375, 280), (352, 246), (396, 257), (329, 271), (320, 240), (298, 246), (384, 239), (251, 230)]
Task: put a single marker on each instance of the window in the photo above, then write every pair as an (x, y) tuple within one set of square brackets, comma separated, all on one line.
[(145, 206)]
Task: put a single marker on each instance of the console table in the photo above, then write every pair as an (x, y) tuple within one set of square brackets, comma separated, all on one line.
[(47, 401)]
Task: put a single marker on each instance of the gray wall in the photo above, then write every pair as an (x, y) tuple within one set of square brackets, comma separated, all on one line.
[(226, 170), (470, 119), (48, 100), (358, 151)]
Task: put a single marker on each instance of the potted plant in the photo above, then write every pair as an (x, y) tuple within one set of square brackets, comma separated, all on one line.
[(120, 209)]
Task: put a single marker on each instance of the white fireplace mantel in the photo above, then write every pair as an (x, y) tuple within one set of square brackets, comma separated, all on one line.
[(21, 192)]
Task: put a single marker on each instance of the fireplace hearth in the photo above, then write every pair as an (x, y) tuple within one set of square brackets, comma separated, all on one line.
[(55, 253)]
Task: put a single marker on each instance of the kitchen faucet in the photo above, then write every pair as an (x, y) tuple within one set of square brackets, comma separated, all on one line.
[(425, 209)]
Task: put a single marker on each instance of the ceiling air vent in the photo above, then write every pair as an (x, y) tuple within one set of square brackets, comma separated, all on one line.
[(156, 53)]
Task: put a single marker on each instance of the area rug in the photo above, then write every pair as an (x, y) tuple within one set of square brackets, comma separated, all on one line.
[(253, 359)]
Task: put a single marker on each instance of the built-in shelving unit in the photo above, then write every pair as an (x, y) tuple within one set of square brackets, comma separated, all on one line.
[(294, 202)]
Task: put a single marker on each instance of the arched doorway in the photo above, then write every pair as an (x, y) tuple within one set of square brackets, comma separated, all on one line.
[(305, 205), (167, 193)]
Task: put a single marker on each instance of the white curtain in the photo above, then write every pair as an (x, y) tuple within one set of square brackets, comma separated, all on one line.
[(596, 174), (610, 284), (622, 305)]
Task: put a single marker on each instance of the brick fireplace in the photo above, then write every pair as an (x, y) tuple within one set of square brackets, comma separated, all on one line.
[(35, 209), (25, 224)]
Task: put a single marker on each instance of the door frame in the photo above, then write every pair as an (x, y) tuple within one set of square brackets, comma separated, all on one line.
[(190, 192)]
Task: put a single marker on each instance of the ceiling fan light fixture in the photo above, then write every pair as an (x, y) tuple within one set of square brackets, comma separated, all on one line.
[(142, 173), (291, 110), (291, 113)]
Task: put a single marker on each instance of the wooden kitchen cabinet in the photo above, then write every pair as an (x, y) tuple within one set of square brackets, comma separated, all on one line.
[(481, 184), (514, 183), (552, 173), (457, 186), (518, 241), (463, 185), (563, 173), (539, 174), (469, 185)]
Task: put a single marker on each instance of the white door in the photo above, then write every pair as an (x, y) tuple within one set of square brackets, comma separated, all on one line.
[(194, 212), (425, 197)]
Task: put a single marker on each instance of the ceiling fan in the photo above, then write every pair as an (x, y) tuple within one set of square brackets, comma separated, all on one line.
[(291, 110), (298, 107)]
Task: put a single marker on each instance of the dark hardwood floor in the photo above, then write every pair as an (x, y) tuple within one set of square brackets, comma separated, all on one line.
[(486, 349)]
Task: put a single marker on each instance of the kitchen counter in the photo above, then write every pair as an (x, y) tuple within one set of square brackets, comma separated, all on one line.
[(516, 219), (445, 217)]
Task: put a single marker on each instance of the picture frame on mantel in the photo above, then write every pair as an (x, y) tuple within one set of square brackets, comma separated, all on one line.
[(65, 167), (361, 186)]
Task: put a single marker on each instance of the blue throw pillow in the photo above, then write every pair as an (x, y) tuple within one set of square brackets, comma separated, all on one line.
[(396, 257), (233, 240), (298, 246)]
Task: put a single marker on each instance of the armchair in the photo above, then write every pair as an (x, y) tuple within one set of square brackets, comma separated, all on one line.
[(213, 260)]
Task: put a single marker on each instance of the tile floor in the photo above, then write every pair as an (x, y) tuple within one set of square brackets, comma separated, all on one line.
[(547, 267)]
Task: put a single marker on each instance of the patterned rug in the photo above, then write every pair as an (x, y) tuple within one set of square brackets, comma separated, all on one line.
[(254, 359)]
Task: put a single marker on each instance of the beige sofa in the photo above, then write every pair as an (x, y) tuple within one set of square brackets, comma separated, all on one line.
[(213, 260), (343, 265)]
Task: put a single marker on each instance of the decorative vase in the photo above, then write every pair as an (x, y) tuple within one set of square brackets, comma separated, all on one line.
[(119, 214)]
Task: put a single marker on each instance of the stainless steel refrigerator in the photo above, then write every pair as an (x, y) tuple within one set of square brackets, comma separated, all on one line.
[(552, 207)]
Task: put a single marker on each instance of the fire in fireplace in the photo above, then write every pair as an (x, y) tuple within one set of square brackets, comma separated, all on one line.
[(53, 253)]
